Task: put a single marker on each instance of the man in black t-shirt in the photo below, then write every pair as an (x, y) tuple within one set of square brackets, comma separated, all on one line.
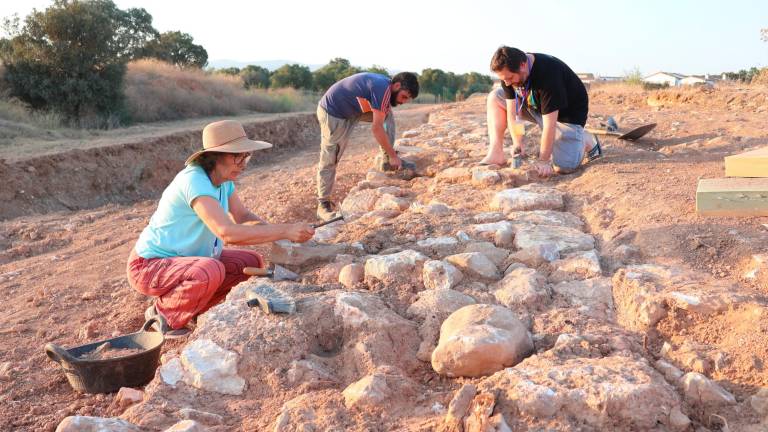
[(541, 89)]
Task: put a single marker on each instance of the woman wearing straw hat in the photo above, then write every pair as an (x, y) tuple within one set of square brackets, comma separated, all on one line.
[(179, 258)]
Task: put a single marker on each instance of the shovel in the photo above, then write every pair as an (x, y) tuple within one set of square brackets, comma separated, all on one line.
[(278, 273), (633, 135)]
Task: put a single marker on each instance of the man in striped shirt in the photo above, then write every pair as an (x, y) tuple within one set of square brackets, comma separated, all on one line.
[(368, 97)]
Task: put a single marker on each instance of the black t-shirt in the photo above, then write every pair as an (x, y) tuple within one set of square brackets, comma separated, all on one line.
[(555, 87)]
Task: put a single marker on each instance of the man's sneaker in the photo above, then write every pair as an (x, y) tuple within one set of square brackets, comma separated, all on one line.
[(596, 151), (162, 325), (326, 210)]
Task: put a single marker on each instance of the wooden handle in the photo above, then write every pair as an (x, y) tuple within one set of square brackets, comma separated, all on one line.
[(329, 221), (602, 132), (257, 271)]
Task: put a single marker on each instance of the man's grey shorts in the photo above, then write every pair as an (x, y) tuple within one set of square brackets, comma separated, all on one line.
[(568, 148)]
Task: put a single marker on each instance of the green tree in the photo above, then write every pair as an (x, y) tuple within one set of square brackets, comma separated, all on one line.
[(71, 57), (474, 82), (335, 70), (177, 48), (432, 81), (255, 76), (292, 75), (229, 71), (379, 70)]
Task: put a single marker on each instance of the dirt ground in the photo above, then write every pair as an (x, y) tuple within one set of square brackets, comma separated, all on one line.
[(64, 278)]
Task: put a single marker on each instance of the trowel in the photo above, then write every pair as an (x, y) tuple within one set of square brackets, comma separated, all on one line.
[(277, 273), (633, 135)]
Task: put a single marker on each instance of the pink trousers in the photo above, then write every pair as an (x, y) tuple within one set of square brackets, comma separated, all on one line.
[(188, 286)]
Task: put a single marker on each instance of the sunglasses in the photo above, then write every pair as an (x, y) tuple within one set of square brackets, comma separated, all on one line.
[(241, 159)]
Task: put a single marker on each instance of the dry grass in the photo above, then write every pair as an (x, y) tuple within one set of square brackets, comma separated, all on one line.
[(158, 91)]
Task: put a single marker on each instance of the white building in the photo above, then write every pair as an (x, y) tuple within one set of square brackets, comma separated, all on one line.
[(668, 78), (695, 80)]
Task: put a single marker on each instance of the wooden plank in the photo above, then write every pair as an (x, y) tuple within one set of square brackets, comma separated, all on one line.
[(732, 197), (750, 164)]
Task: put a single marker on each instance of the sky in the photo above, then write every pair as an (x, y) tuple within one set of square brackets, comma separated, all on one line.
[(610, 38)]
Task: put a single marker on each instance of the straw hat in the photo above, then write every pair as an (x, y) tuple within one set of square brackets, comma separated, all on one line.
[(227, 136)]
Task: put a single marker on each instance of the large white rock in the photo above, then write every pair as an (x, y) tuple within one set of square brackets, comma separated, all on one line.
[(476, 264), (212, 368), (392, 202), (441, 302), (454, 175), (385, 384), (528, 197), (576, 265), (289, 253), (546, 217), (566, 239), (495, 254), (187, 426), (759, 402), (482, 176), (595, 295), (522, 287), (438, 245), (480, 339), (440, 275), (358, 202), (95, 424), (397, 266), (490, 228), (432, 209), (351, 274), (538, 254), (699, 389)]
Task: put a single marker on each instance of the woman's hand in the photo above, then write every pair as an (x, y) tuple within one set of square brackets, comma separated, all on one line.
[(299, 232)]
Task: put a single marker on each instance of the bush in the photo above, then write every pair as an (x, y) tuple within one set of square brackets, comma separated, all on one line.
[(633, 76), (654, 86)]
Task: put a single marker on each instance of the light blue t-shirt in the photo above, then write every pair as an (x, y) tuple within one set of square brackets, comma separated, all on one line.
[(175, 229)]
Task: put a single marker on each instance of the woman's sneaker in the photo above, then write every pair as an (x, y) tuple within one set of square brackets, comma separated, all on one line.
[(162, 325)]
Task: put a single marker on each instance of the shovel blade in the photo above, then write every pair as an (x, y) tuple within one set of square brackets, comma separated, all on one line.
[(638, 132), (282, 273)]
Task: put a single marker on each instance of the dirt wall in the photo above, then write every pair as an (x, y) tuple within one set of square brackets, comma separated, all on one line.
[(125, 173)]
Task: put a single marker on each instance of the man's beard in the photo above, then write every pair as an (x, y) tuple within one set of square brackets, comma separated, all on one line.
[(393, 98)]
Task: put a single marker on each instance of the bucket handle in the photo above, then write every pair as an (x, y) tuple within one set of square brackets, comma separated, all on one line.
[(150, 322), (57, 353)]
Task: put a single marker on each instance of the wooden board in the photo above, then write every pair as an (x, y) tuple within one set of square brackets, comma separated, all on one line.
[(732, 197), (750, 164)]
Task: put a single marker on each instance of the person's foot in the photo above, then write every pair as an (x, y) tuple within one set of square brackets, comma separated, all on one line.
[(499, 160), (162, 325), (596, 151), (326, 210)]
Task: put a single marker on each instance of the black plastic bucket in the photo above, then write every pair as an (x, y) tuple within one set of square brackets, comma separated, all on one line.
[(108, 375)]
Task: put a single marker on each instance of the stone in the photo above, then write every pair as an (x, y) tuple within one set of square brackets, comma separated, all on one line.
[(576, 265), (678, 421), (95, 424), (203, 417), (528, 197), (358, 202), (441, 302), (491, 228), (699, 389), (759, 402), (391, 202), (459, 407), (411, 133), (537, 255), (476, 264), (670, 372), (757, 266), (598, 393), (482, 176), (187, 426), (397, 266), (504, 238), (288, 253), (309, 373), (454, 175), (566, 239), (127, 396), (488, 217), (432, 209), (440, 275), (592, 294), (545, 217), (212, 368), (172, 372), (523, 287), (480, 339), (437, 245), (704, 304), (495, 254), (351, 275), (381, 386)]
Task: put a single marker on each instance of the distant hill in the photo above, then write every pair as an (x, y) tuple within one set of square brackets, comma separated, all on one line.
[(269, 64)]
